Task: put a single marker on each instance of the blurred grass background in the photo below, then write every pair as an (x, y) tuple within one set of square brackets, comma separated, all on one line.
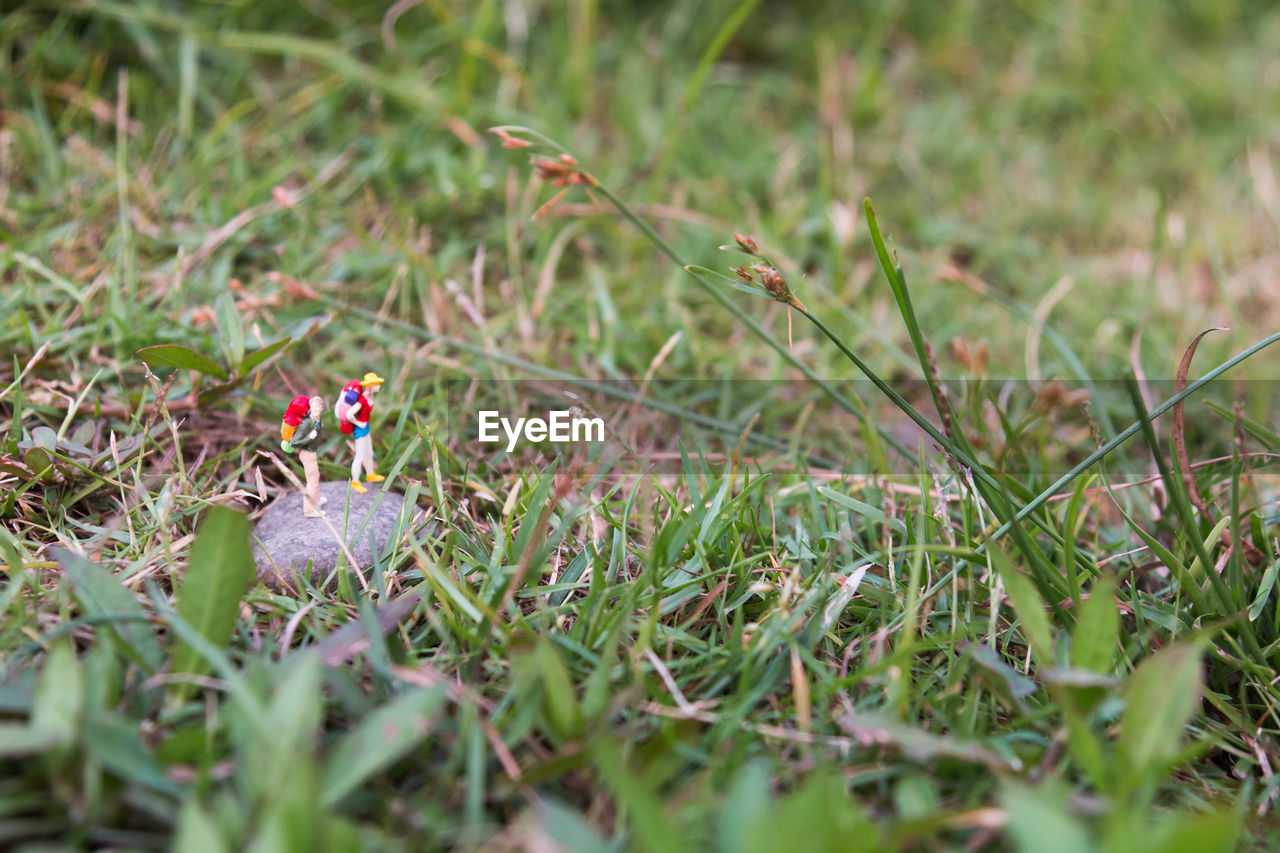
[(1129, 148)]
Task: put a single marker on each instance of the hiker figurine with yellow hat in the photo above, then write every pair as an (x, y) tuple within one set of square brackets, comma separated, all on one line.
[(352, 411)]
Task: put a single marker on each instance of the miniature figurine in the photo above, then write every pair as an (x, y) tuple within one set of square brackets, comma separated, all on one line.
[(300, 432), (352, 410)]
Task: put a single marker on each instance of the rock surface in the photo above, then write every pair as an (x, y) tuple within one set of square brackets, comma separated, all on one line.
[(285, 540)]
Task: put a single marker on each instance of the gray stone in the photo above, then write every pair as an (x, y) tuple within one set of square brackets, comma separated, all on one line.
[(285, 541)]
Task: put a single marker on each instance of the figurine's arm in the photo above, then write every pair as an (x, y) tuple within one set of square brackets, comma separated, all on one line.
[(355, 409)]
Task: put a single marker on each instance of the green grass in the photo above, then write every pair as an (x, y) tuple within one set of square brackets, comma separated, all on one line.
[(874, 591)]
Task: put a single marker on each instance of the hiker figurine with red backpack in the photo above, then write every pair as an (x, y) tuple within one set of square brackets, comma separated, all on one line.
[(352, 410), (300, 433)]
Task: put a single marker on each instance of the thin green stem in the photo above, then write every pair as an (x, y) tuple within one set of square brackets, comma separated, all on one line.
[(844, 402), (1130, 431)]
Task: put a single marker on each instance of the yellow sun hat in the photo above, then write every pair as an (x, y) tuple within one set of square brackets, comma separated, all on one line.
[(370, 379)]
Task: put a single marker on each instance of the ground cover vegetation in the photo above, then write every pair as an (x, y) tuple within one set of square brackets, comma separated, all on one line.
[(925, 523)]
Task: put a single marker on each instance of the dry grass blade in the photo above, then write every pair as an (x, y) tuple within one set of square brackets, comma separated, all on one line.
[(353, 638), (1179, 429), (1180, 425)]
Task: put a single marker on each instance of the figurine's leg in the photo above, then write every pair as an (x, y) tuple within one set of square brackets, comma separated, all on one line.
[(311, 494), (357, 463), (370, 473)]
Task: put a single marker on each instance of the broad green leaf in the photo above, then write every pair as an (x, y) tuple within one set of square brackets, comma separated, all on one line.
[(383, 737), (113, 741), (100, 593), (172, 355), (255, 358), (560, 703), (746, 801), (218, 573), (197, 831), (1160, 697), (915, 797), (290, 818), (1214, 832), (292, 727), (213, 393), (1093, 643), (569, 830), (59, 698), (296, 707), (1028, 605), (1086, 751), (1039, 820), (17, 740), (595, 700), (647, 821), (38, 460), (43, 436), (820, 817)]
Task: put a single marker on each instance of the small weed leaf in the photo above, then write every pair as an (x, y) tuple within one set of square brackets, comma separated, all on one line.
[(172, 355), (1093, 643), (258, 356)]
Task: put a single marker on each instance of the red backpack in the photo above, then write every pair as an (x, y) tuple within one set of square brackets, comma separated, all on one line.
[(298, 409), (347, 398)]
